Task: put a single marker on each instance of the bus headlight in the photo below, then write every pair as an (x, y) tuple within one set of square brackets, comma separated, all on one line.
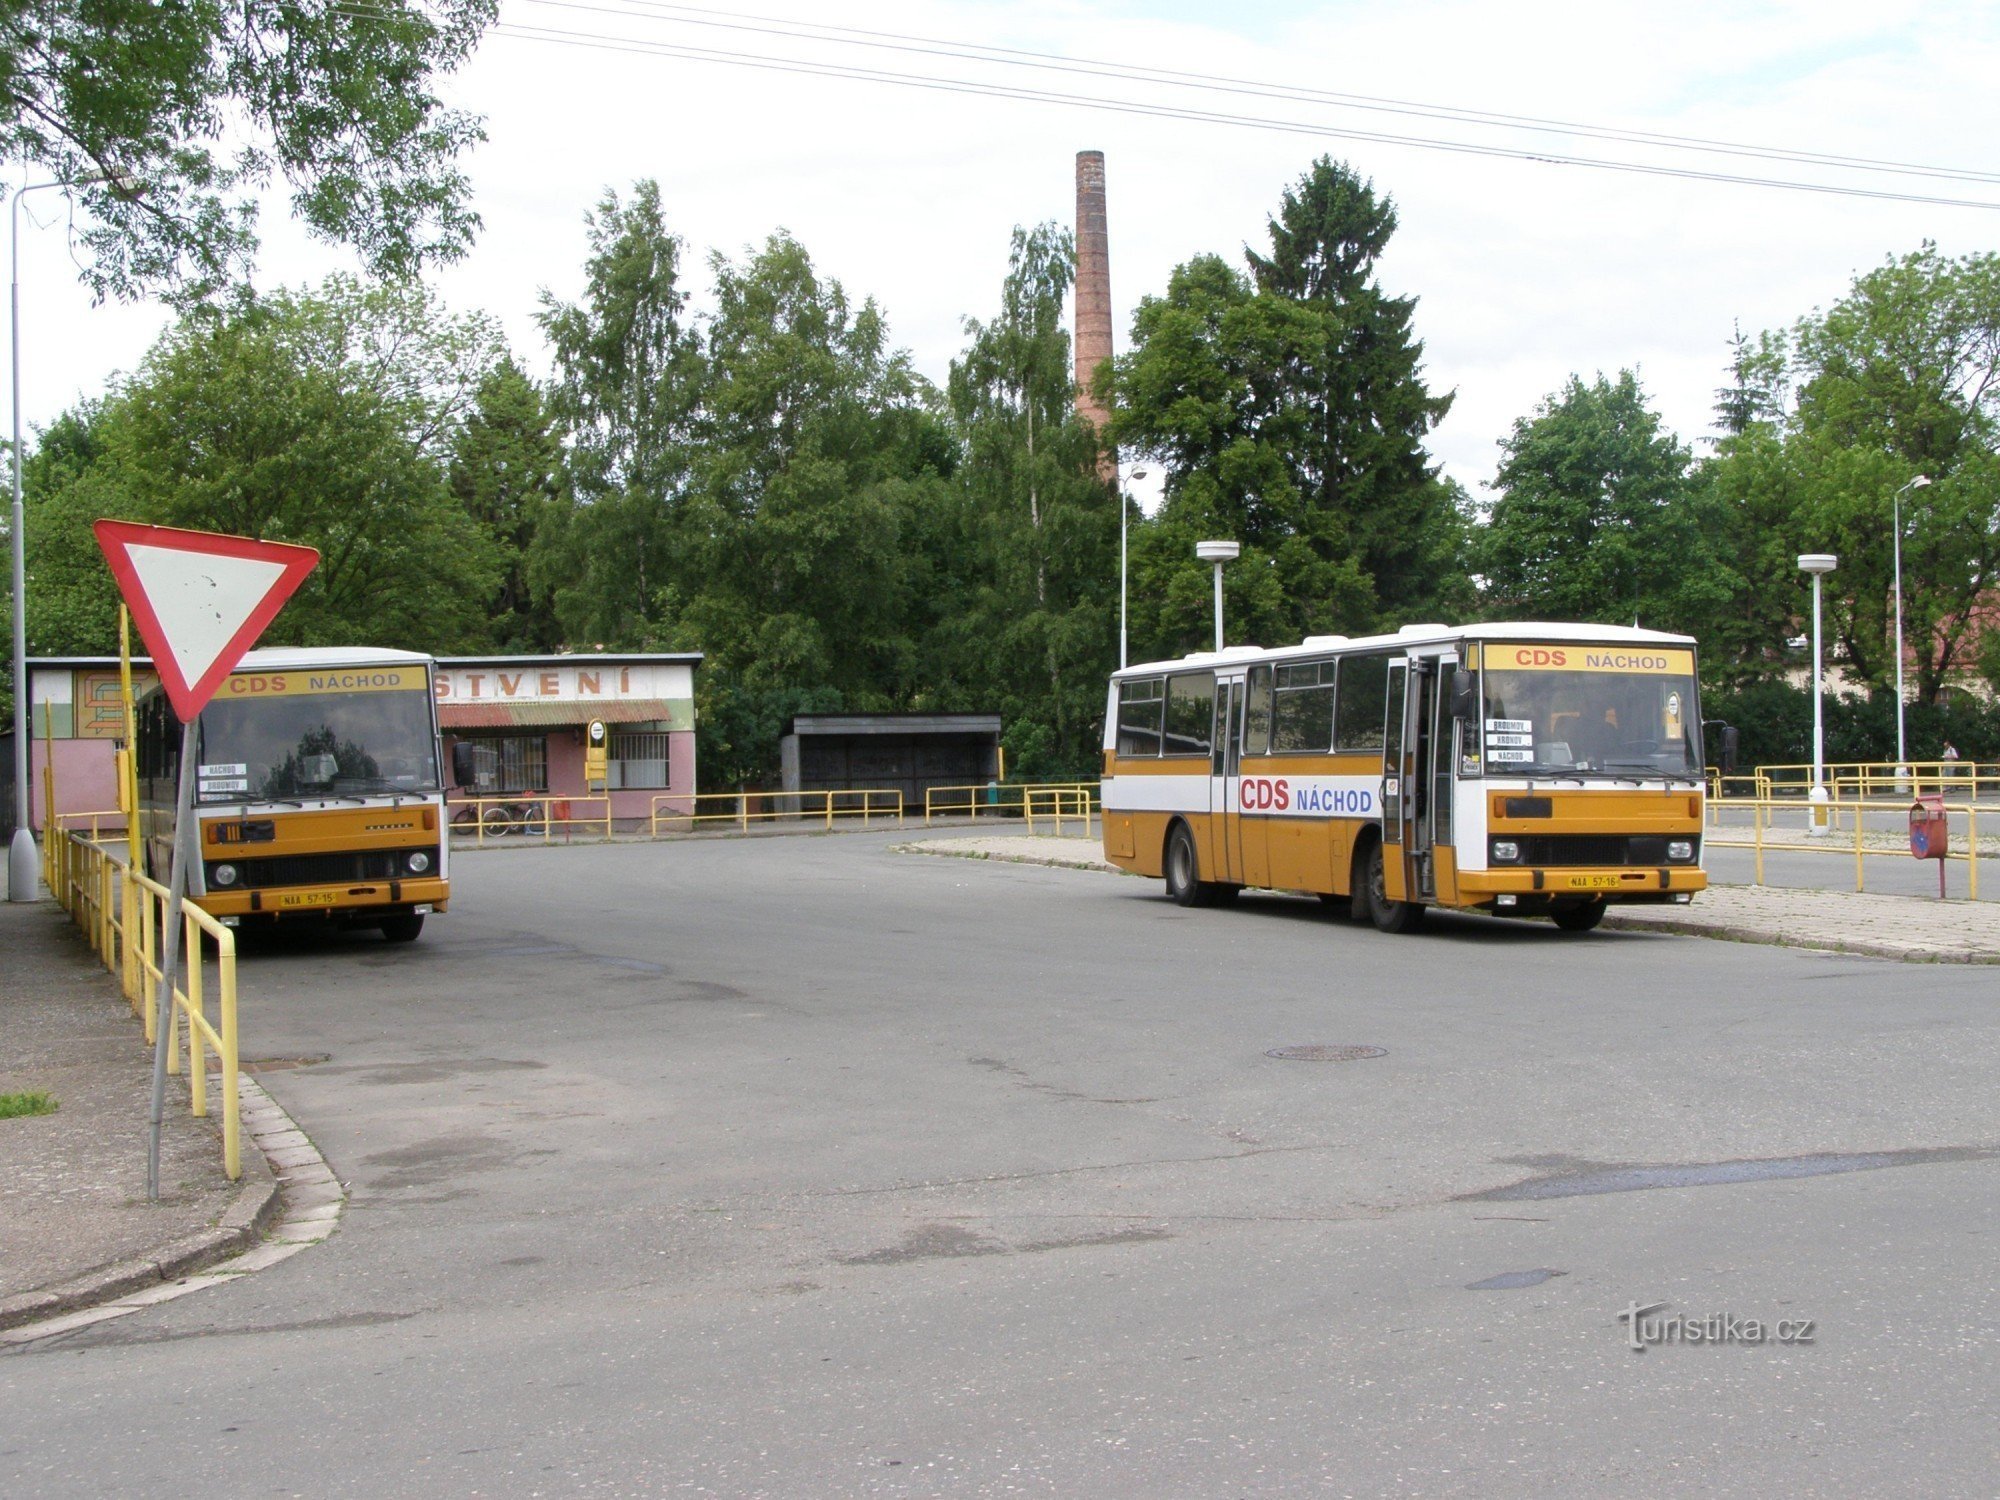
[(222, 876), (419, 861), (1680, 851), (1505, 851)]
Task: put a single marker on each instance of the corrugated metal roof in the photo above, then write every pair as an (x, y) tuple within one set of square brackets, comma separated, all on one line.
[(505, 715)]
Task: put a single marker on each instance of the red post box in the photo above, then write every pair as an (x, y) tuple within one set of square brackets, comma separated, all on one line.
[(1930, 831)]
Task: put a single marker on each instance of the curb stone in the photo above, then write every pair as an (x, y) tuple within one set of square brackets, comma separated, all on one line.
[(252, 1223)]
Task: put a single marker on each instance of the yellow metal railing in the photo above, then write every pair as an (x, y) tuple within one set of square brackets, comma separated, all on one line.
[(867, 804), (1786, 823), (1052, 804), (1966, 778), (993, 799), (122, 913), (72, 822), (486, 819)]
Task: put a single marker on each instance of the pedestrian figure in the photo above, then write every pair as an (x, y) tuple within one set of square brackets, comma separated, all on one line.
[(1950, 767)]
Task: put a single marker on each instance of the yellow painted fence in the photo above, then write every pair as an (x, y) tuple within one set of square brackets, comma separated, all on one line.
[(122, 913), (1787, 823)]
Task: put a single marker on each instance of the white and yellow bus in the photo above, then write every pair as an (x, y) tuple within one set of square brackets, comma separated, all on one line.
[(1521, 769), (318, 790)]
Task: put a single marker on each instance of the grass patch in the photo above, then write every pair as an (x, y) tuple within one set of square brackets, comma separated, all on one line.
[(34, 1102)]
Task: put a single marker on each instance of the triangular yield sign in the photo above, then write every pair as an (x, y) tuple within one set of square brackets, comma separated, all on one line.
[(200, 600)]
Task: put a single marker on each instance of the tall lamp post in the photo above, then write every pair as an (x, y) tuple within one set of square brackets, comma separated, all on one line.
[(1217, 553), (23, 866), (1124, 523), (1818, 564), (1896, 507)]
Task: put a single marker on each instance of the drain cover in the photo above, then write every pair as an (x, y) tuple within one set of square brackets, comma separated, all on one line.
[(1326, 1052)]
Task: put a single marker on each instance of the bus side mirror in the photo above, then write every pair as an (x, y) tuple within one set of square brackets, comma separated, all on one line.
[(1464, 694), (1730, 738), (1725, 737), (463, 769)]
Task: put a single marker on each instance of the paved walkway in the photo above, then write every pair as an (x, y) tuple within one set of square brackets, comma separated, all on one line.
[(1903, 927), (76, 1227)]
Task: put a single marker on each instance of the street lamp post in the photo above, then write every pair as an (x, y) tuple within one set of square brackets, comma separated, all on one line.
[(1896, 507), (1217, 553), (1818, 564), (23, 866), (1124, 520)]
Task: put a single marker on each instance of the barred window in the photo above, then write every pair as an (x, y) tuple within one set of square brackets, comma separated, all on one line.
[(638, 759), (517, 763)]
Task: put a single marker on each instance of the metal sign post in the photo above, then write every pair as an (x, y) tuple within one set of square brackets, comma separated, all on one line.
[(200, 601), (185, 849)]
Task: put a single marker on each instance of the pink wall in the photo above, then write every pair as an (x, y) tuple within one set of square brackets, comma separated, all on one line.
[(86, 778)]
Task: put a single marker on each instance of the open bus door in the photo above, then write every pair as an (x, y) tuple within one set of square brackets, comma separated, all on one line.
[(1416, 779), (1225, 782)]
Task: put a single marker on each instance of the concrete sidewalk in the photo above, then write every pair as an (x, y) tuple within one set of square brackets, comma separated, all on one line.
[(76, 1228), (1901, 927)]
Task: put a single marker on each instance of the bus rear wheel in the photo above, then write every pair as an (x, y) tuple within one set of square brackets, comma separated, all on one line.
[(1183, 868), (403, 927), (1387, 915), (1578, 918)]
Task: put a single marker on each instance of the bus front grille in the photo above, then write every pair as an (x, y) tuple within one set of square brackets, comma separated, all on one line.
[(1559, 850), (348, 868)]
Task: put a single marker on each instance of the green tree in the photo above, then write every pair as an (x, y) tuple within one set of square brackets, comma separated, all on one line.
[(507, 472), (1899, 378), (1288, 409), (1596, 518), (813, 431), (1039, 613), (289, 418), (199, 101), (627, 394)]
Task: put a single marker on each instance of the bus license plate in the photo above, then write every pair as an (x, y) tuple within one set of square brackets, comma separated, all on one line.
[(1594, 882), (307, 898)]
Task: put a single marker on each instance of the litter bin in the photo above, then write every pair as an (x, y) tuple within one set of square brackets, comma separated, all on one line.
[(1930, 829), (1930, 833)]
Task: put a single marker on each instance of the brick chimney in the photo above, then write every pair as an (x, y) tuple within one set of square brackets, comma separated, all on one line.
[(1093, 293)]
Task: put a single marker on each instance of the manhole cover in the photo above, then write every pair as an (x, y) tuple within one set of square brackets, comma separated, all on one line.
[(1326, 1052), (255, 1065)]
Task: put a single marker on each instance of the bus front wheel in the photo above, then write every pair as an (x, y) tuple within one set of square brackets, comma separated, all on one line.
[(1387, 915), (403, 927), (1578, 918)]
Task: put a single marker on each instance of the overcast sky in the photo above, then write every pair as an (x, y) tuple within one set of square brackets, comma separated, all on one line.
[(1525, 270)]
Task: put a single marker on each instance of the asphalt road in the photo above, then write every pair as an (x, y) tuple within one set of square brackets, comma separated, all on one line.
[(800, 1167)]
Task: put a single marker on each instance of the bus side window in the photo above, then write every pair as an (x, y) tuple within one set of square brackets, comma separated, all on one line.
[(1140, 703), (1190, 713), (1364, 698), (1257, 714)]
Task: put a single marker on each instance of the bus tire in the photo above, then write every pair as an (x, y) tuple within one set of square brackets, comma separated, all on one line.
[(1358, 909), (1183, 870), (1579, 918), (1387, 915), (403, 927)]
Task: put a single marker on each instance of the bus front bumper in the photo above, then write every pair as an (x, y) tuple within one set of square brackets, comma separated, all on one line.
[(1618, 885), (332, 900)]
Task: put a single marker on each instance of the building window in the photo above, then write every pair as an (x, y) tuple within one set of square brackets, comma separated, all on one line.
[(509, 763), (638, 760)]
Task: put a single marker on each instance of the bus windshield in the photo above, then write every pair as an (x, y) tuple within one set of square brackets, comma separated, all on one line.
[(292, 743), (1568, 710)]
